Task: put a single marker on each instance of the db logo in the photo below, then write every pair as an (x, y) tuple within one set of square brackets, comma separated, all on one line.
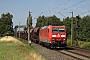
[(58, 35)]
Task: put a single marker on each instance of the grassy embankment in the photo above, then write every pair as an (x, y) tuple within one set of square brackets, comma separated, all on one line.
[(15, 51), (82, 44)]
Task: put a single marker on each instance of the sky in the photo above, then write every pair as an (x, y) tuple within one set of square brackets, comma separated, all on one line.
[(61, 8)]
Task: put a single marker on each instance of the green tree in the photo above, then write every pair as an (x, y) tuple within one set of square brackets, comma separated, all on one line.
[(40, 21), (67, 23), (45, 21), (6, 21), (53, 20), (2, 28), (84, 31)]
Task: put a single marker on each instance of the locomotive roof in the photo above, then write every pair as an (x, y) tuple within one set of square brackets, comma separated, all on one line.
[(44, 27), (52, 26)]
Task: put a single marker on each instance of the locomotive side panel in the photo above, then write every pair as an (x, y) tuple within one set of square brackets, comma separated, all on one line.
[(44, 34)]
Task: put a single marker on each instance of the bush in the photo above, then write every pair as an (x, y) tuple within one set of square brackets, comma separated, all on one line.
[(86, 45), (8, 33)]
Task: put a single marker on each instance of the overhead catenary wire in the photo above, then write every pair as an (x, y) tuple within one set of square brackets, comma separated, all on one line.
[(57, 6), (64, 9), (60, 12), (82, 6), (84, 12), (78, 8), (37, 16), (70, 7), (51, 9)]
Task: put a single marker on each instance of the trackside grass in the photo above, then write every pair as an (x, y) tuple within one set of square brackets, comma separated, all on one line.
[(15, 51), (82, 44)]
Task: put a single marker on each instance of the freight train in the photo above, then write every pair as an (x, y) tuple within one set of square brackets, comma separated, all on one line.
[(51, 36)]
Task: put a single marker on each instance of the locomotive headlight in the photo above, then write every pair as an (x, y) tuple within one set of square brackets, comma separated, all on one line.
[(53, 35), (53, 39), (62, 35), (63, 39)]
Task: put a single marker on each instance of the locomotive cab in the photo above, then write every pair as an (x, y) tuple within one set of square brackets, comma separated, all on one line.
[(59, 36)]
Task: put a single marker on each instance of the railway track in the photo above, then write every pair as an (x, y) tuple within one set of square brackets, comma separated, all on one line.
[(63, 54), (80, 49), (75, 55), (78, 54), (51, 54)]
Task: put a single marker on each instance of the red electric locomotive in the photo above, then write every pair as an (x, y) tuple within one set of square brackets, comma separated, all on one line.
[(53, 36)]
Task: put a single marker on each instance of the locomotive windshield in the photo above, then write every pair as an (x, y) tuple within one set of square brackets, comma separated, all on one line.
[(58, 30)]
